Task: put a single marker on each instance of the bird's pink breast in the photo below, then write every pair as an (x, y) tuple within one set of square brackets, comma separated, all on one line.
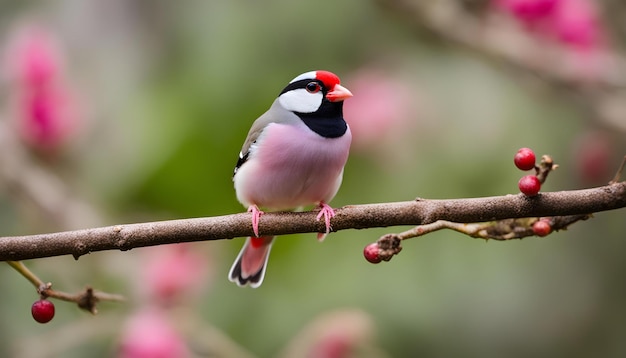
[(292, 166)]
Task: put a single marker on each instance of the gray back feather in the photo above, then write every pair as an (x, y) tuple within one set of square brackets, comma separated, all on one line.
[(276, 114)]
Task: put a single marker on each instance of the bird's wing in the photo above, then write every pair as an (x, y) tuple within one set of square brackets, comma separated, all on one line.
[(276, 114)]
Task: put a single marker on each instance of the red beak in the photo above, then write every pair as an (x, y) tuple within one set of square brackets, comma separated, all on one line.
[(339, 93)]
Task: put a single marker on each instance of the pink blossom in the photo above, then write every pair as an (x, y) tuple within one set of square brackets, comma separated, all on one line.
[(577, 23), (571, 22), (593, 157), (530, 12), (333, 345), (382, 109), (46, 111), (578, 27), (173, 271), (46, 117), (149, 334), (574, 27), (338, 334), (33, 57)]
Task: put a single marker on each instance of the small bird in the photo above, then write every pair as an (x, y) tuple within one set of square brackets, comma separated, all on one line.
[(294, 156)]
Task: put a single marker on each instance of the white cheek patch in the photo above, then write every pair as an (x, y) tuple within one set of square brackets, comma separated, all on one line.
[(301, 101)]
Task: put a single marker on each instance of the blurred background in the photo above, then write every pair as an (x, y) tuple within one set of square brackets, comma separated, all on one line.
[(128, 111)]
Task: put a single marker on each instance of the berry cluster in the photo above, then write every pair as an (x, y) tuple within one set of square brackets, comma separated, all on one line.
[(530, 185), (525, 160)]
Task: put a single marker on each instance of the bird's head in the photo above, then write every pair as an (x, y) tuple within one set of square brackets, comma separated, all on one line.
[(314, 91)]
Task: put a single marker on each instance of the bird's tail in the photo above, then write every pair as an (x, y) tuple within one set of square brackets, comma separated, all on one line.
[(249, 267)]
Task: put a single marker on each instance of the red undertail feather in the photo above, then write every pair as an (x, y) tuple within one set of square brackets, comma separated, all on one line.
[(249, 267)]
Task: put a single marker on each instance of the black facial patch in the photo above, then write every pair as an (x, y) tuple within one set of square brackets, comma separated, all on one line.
[(302, 84), (327, 121)]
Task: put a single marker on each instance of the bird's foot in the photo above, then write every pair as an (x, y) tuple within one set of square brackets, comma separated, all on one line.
[(256, 214), (327, 212)]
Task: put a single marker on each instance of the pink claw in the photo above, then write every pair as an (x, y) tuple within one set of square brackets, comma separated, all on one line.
[(328, 213), (256, 214)]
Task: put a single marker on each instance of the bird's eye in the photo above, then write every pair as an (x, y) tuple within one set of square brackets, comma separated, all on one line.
[(313, 87)]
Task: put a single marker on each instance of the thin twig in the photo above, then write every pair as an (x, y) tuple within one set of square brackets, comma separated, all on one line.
[(24, 271), (26, 180), (619, 172), (494, 38), (390, 245), (86, 300)]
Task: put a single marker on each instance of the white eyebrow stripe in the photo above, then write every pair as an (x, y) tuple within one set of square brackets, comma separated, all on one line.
[(311, 75)]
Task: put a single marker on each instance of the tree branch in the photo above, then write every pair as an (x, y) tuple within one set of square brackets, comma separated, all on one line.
[(417, 212), (86, 300), (502, 43), (26, 180)]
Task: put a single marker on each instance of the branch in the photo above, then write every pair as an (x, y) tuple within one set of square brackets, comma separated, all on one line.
[(417, 212), (498, 41), (86, 300), (26, 180)]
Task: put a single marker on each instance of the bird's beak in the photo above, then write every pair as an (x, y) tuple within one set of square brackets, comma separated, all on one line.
[(339, 93)]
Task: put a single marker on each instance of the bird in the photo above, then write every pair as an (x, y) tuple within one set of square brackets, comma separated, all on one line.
[(293, 157)]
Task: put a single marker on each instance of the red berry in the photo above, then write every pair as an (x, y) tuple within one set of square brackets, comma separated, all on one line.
[(542, 227), (371, 253), (524, 159), (529, 185), (43, 311)]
